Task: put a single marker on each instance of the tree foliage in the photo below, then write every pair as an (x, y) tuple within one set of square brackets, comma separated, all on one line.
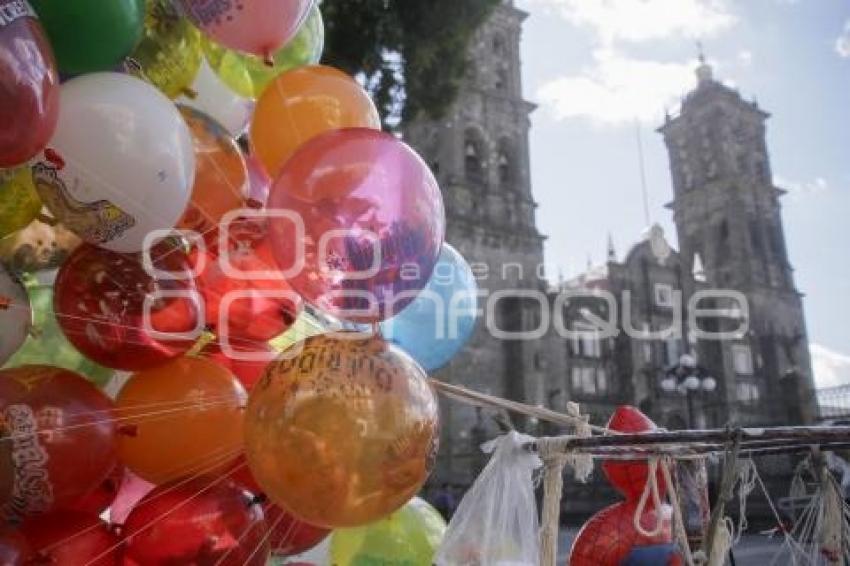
[(411, 53)]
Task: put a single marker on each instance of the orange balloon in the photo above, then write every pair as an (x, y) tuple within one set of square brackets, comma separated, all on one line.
[(221, 175), (179, 419), (344, 433), (303, 103)]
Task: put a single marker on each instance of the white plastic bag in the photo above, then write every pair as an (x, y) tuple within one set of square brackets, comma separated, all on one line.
[(496, 522)]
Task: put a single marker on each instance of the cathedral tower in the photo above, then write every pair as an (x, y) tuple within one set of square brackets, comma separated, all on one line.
[(728, 218), (479, 152)]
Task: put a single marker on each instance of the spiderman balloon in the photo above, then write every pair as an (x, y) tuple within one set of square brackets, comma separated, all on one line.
[(610, 538)]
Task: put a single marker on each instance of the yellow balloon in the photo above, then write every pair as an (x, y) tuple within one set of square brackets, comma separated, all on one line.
[(170, 52), (410, 536), (344, 433), (19, 203), (248, 75)]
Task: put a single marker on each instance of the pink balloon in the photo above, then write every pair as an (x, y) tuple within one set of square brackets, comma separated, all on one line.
[(373, 222), (260, 27)]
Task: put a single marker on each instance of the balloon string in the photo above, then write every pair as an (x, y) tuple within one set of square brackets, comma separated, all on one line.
[(263, 541), (158, 518), (250, 528), (142, 418), (203, 468)]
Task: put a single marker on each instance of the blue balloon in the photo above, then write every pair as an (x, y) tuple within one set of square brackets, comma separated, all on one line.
[(439, 322)]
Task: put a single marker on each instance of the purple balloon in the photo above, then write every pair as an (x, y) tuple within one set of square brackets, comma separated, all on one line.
[(373, 224)]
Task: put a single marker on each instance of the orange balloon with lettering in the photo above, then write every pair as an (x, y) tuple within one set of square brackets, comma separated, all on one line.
[(60, 439), (221, 175), (344, 433), (303, 103), (180, 419)]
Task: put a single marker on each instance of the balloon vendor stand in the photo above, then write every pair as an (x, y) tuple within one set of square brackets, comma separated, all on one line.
[(223, 289)]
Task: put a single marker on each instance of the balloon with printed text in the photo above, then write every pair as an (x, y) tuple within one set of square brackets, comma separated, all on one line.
[(29, 85), (343, 433), (63, 439), (260, 27), (365, 224)]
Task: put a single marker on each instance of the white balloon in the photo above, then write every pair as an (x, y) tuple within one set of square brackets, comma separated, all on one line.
[(121, 163), (15, 315), (215, 99)]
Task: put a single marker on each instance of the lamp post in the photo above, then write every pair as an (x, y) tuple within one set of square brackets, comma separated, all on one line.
[(687, 379)]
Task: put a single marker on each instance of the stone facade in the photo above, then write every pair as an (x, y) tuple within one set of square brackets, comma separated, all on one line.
[(727, 214)]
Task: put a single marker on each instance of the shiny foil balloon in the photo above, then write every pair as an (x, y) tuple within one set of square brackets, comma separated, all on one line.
[(437, 325), (63, 438), (343, 434), (373, 218), (245, 299), (182, 418), (15, 315), (121, 163), (14, 548), (289, 536), (38, 247), (202, 521), (303, 103), (47, 344), (19, 202), (170, 53), (304, 49), (221, 176), (212, 97), (117, 314), (71, 537), (91, 35), (411, 536), (260, 27), (29, 85)]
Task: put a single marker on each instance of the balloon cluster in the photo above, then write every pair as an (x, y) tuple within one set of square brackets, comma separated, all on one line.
[(206, 189)]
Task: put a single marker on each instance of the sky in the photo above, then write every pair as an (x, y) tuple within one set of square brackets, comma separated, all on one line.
[(604, 71)]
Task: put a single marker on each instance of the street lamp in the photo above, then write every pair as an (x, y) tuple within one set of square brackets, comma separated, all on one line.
[(687, 378)]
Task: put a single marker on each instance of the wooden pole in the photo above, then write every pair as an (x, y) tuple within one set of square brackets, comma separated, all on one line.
[(727, 486)]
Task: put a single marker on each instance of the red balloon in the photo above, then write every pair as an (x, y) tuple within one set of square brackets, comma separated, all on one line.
[(14, 548), (100, 498), (243, 364), (289, 536), (71, 537), (253, 303), (100, 303), (29, 93), (63, 438), (202, 521), (373, 219), (240, 473), (629, 477)]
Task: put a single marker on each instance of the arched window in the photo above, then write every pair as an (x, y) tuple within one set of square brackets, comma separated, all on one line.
[(507, 169), (474, 159), (501, 79), (499, 45)]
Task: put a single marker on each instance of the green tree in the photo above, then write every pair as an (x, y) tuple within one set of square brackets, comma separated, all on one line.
[(411, 53)]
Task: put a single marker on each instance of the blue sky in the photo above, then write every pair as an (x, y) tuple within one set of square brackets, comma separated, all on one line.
[(596, 67)]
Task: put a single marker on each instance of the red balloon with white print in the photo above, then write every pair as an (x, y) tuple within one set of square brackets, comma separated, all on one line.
[(61, 439), (72, 537), (29, 85), (123, 315)]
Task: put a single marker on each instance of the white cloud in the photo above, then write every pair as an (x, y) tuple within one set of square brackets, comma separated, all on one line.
[(617, 89), (831, 368), (802, 188), (643, 20), (842, 44)]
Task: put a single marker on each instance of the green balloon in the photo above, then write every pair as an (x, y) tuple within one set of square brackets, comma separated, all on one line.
[(233, 67), (408, 537), (91, 35), (47, 344)]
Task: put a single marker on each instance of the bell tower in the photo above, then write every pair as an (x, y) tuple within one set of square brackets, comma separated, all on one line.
[(479, 152), (728, 217)]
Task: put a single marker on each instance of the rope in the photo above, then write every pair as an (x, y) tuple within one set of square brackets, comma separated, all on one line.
[(651, 488), (551, 451), (679, 533)]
